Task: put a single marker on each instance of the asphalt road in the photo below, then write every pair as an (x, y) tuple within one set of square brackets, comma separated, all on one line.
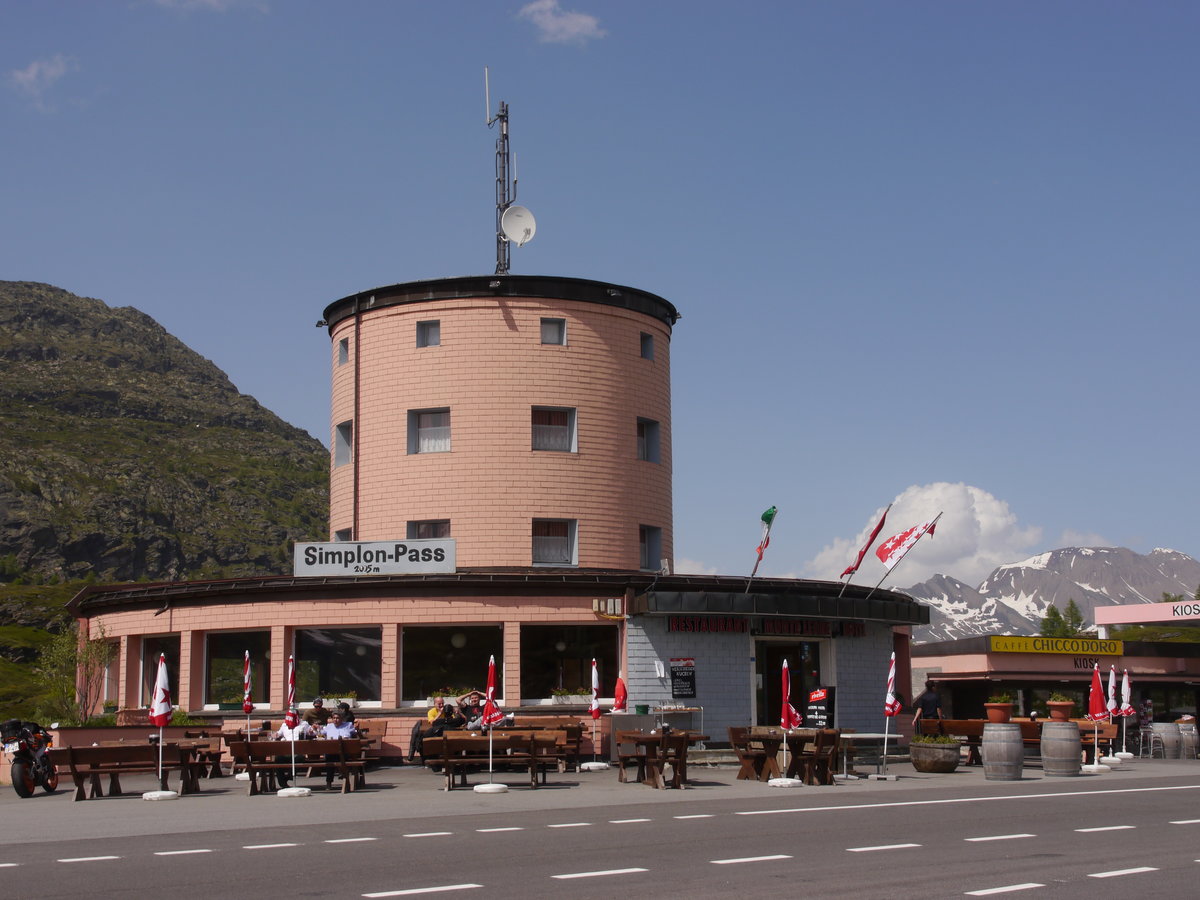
[(1135, 831)]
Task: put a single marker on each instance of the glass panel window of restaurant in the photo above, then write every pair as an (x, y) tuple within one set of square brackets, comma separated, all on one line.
[(338, 662), (557, 659), (152, 647), (225, 656), (449, 660)]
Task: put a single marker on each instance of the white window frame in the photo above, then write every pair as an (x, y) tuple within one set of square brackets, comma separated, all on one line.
[(425, 437), (555, 550), (553, 438), (343, 351), (556, 330), (343, 443), (429, 333)]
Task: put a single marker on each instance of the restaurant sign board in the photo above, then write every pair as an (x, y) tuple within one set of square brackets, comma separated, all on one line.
[(1066, 646), (683, 678), (818, 712), (427, 557)]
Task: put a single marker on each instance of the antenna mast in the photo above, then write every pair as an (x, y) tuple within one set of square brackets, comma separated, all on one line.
[(518, 225)]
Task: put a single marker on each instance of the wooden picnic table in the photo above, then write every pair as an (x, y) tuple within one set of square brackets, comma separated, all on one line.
[(655, 751), (89, 765)]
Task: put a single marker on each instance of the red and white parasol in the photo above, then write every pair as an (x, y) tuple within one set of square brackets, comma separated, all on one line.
[(291, 716), (620, 695), (595, 691)]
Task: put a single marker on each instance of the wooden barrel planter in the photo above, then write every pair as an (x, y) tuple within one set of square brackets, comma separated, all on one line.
[(1169, 732), (1003, 752), (1062, 750)]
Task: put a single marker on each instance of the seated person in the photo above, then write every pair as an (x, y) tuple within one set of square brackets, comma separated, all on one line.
[(318, 716), (301, 731), (471, 707), (442, 717), (347, 712), (337, 728)]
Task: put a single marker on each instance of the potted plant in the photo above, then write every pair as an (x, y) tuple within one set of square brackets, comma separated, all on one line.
[(999, 707), (350, 698), (934, 752), (567, 695), (1060, 706)]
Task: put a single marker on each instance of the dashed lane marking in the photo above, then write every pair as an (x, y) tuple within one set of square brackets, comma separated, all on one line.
[(493, 830), (570, 825), (1000, 837), (74, 859), (178, 852), (881, 847), (357, 840), (599, 874), (417, 834), (267, 846), (425, 890), (748, 859), (1118, 872), (626, 821), (1006, 889), (1105, 828)]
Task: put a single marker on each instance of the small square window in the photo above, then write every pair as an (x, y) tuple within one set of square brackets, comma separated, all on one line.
[(343, 534), (429, 431), (647, 440), (554, 542), (428, 529), (429, 334), (647, 346), (343, 351), (343, 443), (553, 429), (650, 547), (554, 331)]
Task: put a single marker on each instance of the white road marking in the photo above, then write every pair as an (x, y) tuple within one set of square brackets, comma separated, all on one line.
[(747, 859), (1105, 828), (1116, 872), (492, 830), (349, 840), (696, 816), (949, 800), (625, 821), (1001, 837), (178, 852), (8, 865), (1007, 889), (881, 847), (598, 874), (88, 858), (267, 846), (427, 890), (570, 825), (1185, 822), (429, 834)]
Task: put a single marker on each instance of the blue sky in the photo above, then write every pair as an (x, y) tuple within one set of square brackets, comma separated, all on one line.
[(942, 253)]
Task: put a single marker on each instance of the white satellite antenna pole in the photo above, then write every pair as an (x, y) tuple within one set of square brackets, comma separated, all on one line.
[(514, 224)]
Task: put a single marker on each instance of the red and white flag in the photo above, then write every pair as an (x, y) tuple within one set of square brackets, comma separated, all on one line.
[(160, 703), (768, 519), (491, 712), (893, 549), (1112, 690), (1097, 708), (1126, 695), (247, 702), (853, 567), (292, 716), (788, 717), (891, 706), (620, 695), (595, 690)]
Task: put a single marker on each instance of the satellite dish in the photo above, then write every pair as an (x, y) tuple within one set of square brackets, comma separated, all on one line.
[(518, 225)]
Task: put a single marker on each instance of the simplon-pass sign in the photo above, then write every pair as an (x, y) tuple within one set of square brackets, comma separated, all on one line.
[(422, 557), (1067, 646)]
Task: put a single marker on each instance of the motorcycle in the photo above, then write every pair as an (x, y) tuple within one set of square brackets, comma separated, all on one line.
[(28, 743)]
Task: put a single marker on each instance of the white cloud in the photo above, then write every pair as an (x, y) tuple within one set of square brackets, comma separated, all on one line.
[(212, 5), (976, 533), (1072, 538), (556, 26), (685, 566), (37, 78)]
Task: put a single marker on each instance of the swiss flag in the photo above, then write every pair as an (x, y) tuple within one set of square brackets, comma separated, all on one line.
[(893, 549)]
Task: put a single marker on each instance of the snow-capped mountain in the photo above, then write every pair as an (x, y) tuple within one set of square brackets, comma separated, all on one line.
[(1013, 599)]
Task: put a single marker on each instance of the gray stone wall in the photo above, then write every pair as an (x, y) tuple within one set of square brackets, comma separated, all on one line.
[(861, 667)]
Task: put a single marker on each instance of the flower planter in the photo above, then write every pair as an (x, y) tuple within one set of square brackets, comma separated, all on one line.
[(572, 698), (1060, 710), (999, 713), (937, 758)]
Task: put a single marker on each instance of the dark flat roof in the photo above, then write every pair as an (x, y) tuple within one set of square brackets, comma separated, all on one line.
[(653, 595), (549, 287)]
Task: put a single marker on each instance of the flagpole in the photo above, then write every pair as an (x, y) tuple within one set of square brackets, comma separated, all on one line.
[(768, 519), (904, 554)]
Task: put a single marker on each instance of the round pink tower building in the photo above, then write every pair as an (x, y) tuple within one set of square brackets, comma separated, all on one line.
[(528, 418)]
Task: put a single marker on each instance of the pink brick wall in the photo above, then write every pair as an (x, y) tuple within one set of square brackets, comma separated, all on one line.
[(489, 370)]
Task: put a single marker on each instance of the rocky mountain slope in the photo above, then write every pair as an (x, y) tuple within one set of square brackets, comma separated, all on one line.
[(125, 455), (1014, 597)]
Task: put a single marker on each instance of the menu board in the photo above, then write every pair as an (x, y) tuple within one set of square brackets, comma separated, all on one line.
[(819, 711), (683, 678)]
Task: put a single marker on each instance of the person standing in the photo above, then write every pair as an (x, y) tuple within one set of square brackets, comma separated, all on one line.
[(928, 705)]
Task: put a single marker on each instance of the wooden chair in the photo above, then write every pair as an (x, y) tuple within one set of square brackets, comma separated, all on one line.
[(629, 752), (819, 768), (750, 759)]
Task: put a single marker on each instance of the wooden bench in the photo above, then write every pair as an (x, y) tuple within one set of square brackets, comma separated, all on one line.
[(570, 744), (262, 759), (457, 754), (90, 764)]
